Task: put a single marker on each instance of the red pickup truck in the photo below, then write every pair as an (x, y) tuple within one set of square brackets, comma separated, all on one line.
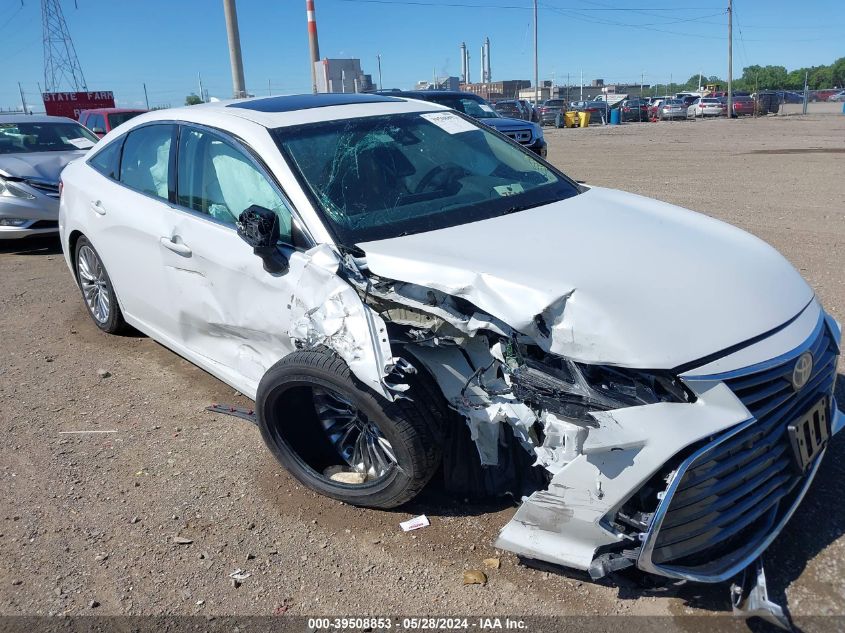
[(103, 120)]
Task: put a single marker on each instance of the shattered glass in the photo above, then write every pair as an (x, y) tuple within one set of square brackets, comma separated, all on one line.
[(388, 176)]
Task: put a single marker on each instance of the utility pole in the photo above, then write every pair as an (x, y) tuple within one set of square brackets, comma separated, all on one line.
[(806, 92), (378, 57), (146, 98), (536, 66), (313, 43), (202, 92), (238, 89), (23, 100), (581, 98), (269, 88), (730, 58)]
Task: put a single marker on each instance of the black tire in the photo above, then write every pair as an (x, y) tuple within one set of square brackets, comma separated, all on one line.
[(112, 322), (287, 417)]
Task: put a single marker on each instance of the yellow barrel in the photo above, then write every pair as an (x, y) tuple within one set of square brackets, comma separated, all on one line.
[(583, 119), (569, 119)]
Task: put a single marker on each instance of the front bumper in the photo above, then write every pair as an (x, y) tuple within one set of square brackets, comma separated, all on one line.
[(549, 118), (647, 451), (539, 147), (41, 214)]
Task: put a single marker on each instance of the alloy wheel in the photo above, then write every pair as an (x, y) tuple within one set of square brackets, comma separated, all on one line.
[(356, 439), (95, 283)]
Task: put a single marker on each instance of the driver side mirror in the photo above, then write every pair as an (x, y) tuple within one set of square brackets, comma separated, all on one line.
[(259, 227)]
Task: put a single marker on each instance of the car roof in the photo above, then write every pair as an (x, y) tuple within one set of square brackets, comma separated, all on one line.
[(112, 110), (284, 111), (34, 118)]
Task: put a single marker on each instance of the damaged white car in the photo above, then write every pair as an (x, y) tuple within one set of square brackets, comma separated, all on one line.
[(406, 293)]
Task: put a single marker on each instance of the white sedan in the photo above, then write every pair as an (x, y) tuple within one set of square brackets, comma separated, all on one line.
[(398, 286), (707, 106)]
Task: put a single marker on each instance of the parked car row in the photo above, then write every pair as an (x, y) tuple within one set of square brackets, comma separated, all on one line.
[(678, 106)]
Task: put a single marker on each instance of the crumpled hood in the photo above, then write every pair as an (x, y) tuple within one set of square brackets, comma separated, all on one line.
[(618, 278), (41, 165)]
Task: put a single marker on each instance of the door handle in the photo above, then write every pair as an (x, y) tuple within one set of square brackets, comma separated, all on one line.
[(176, 247), (97, 207)]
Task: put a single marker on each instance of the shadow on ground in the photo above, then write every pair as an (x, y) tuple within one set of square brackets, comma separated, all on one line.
[(32, 246)]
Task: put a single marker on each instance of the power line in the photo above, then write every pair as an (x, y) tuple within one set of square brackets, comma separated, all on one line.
[(576, 15), (741, 38), (11, 17), (464, 5)]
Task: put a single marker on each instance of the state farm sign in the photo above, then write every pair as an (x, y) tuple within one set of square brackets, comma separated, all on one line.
[(70, 104)]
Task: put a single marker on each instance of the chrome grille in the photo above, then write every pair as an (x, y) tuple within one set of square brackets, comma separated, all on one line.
[(520, 136), (47, 188), (731, 495)]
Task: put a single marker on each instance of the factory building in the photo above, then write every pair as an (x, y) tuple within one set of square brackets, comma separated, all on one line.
[(342, 75), (495, 90)]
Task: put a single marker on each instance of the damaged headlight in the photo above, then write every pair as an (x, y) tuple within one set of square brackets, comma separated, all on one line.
[(9, 189), (572, 389)]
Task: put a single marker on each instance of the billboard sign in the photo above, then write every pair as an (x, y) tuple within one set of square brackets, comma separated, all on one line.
[(70, 104)]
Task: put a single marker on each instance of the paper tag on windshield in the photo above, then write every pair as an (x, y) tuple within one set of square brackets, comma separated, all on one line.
[(486, 107), (81, 143), (449, 122), (509, 190)]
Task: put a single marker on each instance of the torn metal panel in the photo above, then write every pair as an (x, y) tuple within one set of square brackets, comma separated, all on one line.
[(750, 598), (324, 309), (564, 523), (484, 413)]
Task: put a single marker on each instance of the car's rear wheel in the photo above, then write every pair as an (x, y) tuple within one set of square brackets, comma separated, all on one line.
[(344, 441), (97, 289)]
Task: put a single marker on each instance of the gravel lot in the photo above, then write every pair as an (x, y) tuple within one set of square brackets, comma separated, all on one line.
[(89, 520)]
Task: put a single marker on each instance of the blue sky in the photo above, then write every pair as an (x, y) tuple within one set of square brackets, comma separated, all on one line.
[(121, 44)]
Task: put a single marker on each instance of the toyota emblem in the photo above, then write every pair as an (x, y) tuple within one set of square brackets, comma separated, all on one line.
[(802, 370)]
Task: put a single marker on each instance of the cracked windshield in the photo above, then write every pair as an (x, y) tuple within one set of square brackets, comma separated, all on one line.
[(381, 177)]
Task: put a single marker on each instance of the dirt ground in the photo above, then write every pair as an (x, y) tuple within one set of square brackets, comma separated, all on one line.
[(88, 520)]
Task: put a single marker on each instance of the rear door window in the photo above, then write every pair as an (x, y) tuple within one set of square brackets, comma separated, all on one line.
[(145, 165), (107, 159)]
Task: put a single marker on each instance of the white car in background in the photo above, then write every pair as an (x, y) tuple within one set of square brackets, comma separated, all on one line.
[(397, 285), (707, 106)]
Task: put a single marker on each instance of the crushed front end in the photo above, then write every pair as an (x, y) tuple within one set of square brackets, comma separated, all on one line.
[(688, 474), (693, 491)]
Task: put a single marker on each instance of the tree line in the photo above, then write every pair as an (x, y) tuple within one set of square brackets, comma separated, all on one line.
[(757, 77)]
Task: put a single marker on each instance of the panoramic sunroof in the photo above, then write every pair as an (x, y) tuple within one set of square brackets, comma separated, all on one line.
[(304, 102)]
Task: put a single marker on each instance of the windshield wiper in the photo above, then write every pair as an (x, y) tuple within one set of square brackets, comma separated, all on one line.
[(518, 207)]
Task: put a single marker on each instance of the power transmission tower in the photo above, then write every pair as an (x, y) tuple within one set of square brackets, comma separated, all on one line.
[(61, 65)]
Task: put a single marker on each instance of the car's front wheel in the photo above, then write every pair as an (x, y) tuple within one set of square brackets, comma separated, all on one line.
[(344, 441), (97, 289)]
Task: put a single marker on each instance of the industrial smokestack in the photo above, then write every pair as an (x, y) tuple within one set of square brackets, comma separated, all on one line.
[(466, 64), (483, 73), (488, 69), (312, 42), (463, 62)]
